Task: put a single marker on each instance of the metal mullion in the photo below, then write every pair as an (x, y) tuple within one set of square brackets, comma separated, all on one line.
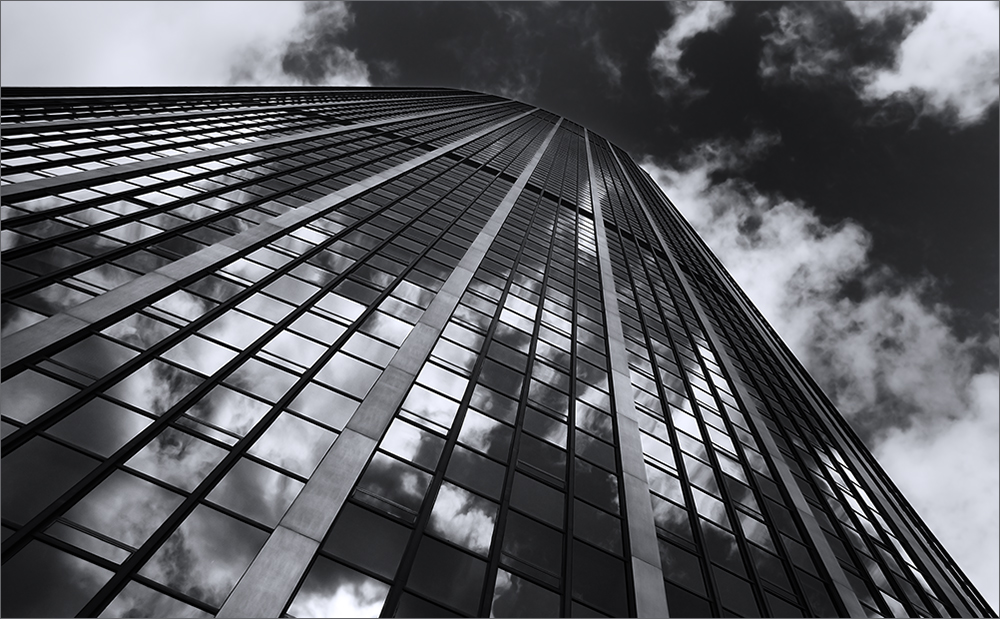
[(566, 595), (845, 598), (852, 552), (100, 384), (690, 508), (262, 126), (125, 250), (71, 326), (493, 564), (835, 522), (649, 599), (730, 505), (42, 187), (903, 520), (313, 512), (273, 156), (15, 127), (451, 439)]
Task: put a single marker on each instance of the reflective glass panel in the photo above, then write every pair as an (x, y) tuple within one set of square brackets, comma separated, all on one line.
[(335, 590), (206, 555)]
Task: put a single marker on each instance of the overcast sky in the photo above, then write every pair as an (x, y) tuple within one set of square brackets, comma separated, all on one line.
[(840, 158)]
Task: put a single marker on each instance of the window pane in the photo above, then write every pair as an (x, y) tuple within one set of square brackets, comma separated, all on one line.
[(368, 540), (447, 575), (334, 590)]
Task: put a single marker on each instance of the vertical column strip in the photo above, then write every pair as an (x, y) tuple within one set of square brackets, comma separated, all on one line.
[(873, 478), (35, 339), (813, 530), (269, 583), (650, 593)]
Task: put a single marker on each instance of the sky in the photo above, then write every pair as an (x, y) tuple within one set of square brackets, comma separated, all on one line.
[(841, 159)]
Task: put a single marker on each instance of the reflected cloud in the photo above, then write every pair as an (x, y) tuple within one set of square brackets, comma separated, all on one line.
[(464, 518), (333, 590), (206, 555), (177, 458), (125, 508), (256, 491)]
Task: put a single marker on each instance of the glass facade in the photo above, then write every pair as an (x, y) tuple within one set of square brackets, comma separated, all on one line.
[(320, 352)]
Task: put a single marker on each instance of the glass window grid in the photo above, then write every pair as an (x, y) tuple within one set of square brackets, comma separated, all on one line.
[(720, 299), (510, 288), (901, 594), (112, 109), (337, 143), (650, 263), (131, 248), (287, 397)]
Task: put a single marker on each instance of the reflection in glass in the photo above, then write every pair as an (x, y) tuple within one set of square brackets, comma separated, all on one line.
[(334, 590), (177, 458), (36, 474), (29, 394), (350, 375), (138, 600), (721, 546), (599, 580), (486, 435), (436, 409), (442, 380), (447, 575), (681, 566), (534, 547), (671, 517), (95, 356), (392, 486), (736, 593), (256, 492), (494, 404), (40, 581), (479, 473), (224, 408), (538, 499), (412, 443), (155, 387), (325, 406), (206, 555), (597, 527), (364, 538), (262, 379), (125, 508), (514, 596), (293, 444), (100, 426), (464, 518), (596, 485)]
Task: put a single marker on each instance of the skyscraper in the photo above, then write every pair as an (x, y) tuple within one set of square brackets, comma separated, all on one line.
[(319, 352)]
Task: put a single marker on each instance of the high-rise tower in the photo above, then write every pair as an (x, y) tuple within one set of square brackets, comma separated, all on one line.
[(410, 352)]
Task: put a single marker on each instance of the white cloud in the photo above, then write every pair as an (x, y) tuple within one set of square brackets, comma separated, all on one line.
[(692, 18), (135, 43), (952, 59), (932, 463), (887, 356), (947, 63), (800, 48)]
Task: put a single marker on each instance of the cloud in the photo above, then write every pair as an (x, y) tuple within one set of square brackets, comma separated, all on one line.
[(940, 58), (691, 18), (134, 43), (881, 347), (949, 63), (312, 53)]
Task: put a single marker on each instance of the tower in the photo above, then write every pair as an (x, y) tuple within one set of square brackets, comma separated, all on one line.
[(417, 352)]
